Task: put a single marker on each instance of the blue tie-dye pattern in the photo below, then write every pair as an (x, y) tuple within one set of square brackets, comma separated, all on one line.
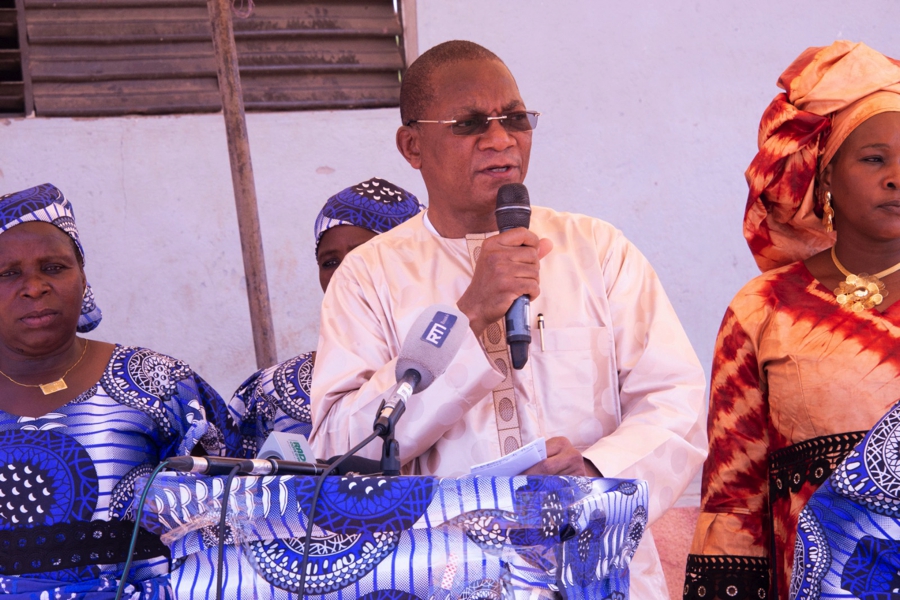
[(403, 537), (848, 535), (88, 454)]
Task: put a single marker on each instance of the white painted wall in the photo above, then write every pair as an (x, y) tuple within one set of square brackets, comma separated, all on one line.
[(650, 117)]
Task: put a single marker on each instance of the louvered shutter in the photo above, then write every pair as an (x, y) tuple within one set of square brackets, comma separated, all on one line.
[(12, 86), (114, 57)]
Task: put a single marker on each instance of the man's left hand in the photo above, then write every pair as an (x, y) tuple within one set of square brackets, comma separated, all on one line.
[(563, 459)]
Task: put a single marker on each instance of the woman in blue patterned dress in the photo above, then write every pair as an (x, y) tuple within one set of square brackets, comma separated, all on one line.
[(277, 398), (80, 420)]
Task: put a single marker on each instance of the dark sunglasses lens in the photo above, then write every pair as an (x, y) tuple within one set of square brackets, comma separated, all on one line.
[(470, 125), (478, 124), (520, 121)]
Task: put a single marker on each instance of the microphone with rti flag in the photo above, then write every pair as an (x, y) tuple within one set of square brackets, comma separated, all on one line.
[(427, 351), (514, 210)]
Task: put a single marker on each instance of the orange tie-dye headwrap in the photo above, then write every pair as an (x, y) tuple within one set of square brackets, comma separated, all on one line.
[(829, 92)]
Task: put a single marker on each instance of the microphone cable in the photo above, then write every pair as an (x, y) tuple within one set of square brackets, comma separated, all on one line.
[(307, 542), (137, 524), (226, 492), (220, 565)]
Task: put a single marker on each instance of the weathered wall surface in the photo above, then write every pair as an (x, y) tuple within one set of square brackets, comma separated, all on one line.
[(650, 118)]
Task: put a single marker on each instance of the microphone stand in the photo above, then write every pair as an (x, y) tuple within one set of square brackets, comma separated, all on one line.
[(384, 427), (389, 412)]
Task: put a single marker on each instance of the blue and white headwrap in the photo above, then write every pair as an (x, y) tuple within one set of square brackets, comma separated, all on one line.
[(46, 203), (377, 205)]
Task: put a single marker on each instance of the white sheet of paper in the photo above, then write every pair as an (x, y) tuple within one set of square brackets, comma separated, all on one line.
[(515, 462)]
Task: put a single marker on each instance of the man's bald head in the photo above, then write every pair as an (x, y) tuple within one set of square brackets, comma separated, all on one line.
[(416, 90)]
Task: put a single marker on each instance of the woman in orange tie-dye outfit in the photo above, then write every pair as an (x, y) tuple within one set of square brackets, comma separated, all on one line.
[(808, 354)]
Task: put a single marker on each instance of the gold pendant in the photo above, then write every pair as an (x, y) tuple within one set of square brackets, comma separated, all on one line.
[(53, 387), (860, 292)]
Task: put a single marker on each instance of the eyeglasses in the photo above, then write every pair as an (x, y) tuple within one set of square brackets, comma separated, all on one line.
[(523, 120)]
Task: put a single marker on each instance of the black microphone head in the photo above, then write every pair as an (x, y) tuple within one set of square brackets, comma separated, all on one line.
[(432, 343), (180, 463), (513, 207)]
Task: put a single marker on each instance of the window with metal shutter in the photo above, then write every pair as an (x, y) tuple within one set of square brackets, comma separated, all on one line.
[(12, 86), (114, 57)]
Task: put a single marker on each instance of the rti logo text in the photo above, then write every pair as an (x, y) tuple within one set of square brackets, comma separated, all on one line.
[(437, 330)]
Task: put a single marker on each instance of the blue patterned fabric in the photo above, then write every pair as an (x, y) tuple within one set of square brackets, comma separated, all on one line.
[(377, 205), (277, 398), (412, 538), (274, 399), (46, 203), (848, 535), (78, 465)]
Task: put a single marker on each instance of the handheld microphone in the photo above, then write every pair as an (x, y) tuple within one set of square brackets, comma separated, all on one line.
[(427, 351), (221, 465), (514, 210)]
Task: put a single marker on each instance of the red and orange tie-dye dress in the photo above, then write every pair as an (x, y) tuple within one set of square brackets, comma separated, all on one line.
[(796, 382)]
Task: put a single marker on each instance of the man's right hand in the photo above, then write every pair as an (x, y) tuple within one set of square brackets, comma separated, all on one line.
[(508, 267)]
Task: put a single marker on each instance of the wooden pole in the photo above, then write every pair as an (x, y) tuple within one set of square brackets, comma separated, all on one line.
[(242, 180)]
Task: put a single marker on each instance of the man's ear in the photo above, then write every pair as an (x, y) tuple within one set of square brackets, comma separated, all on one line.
[(408, 145)]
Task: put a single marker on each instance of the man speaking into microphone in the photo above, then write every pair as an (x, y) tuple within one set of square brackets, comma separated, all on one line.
[(610, 379)]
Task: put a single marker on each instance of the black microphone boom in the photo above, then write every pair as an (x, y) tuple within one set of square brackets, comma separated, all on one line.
[(355, 465), (221, 465), (514, 210)]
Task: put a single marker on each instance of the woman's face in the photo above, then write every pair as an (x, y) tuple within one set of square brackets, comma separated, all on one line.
[(864, 180), (335, 244), (41, 287)]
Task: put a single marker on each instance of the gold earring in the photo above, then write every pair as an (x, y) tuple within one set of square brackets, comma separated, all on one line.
[(828, 214)]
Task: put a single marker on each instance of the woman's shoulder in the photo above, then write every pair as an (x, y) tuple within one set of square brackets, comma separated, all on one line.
[(775, 283), (789, 287), (285, 385), (287, 378), (274, 399), (138, 371), (147, 359)]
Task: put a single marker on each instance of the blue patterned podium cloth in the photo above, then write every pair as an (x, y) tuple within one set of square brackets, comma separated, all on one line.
[(848, 535), (403, 537)]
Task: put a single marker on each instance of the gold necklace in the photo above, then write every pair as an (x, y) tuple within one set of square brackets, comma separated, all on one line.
[(54, 386), (859, 292)]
